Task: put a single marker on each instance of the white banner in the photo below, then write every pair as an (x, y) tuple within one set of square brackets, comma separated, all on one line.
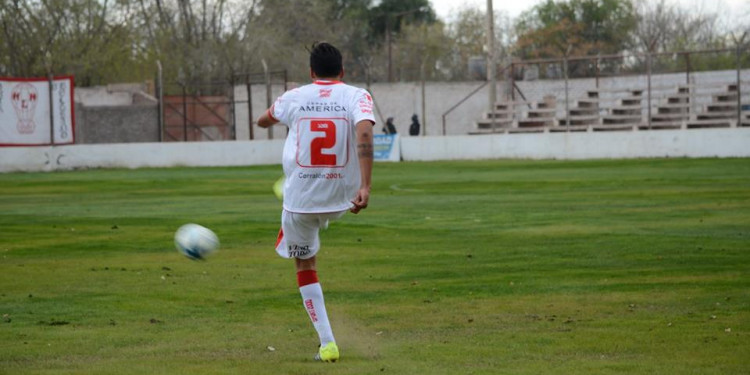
[(25, 118)]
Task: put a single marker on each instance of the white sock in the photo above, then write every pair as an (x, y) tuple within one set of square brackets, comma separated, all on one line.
[(312, 299)]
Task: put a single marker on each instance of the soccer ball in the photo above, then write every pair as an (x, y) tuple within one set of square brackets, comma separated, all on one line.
[(278, 188), (195, 241)]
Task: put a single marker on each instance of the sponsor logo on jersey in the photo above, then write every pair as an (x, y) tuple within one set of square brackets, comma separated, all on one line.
[(322, 108), (325, 93), (365, 104)]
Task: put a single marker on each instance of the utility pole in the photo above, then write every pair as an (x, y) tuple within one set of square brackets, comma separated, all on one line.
[(389, 44), (491, 69)]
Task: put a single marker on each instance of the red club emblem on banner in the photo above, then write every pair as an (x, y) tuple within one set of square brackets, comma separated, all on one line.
[(24, 97)]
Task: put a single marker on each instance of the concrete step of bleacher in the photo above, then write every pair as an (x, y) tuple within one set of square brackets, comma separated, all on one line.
[(626, 110), (499, 115), (626, 102), (723, 106), (588, 103), (709, 123), (487, 123), (667, 117), (717, 115), (487, 131), (572, 128), (666, 125), (678, 98), (536, 123), (541, 113), (584, 111), (613, 127), (539, 129), (725, 97), (580, 120), (673, 107), (621, 119)]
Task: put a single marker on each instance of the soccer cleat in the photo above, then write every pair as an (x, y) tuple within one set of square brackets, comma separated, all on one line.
[(328, 353)]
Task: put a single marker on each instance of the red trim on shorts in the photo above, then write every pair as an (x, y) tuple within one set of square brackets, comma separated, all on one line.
[(280, 237), (307, 277)]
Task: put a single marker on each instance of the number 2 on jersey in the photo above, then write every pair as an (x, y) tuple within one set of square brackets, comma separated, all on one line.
[(328, 141)]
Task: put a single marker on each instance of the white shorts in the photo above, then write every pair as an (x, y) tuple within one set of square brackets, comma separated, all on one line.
[(298, 237)]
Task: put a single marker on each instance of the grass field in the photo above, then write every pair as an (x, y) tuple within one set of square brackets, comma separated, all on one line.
[(487, 267)]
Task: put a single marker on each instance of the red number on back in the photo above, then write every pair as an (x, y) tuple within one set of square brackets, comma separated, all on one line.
[(327, 141)]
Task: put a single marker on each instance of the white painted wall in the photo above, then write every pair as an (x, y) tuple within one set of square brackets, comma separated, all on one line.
[(140, 155), (403, 99), (730, 142)]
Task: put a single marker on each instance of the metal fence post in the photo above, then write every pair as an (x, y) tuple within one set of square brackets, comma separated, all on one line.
[(649, 58), (232, 108), (268, 92), (250, 106), (512, 83), (739, 83), (598, 57), (184, 114), (160, 100), (424, 103), (567, 104), (50, 85)]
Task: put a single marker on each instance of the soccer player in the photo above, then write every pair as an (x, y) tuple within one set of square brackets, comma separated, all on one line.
[(327, 161)]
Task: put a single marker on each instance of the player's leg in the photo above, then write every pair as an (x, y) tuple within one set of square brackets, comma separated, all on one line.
[(299, 239), (312, 299)]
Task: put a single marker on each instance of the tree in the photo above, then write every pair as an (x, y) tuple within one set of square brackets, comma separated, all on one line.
[(667, 27), (390, 14), (588, 27), (196, 40), (467, 37), (88, 38)]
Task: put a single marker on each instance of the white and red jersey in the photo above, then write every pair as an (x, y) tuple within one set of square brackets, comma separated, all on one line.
[(320, 154)]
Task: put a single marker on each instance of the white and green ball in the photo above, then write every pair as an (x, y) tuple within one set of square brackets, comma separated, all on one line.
[(196, 241), (278, 188)]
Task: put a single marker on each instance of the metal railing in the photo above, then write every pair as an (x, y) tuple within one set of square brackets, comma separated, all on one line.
[(646, 68)]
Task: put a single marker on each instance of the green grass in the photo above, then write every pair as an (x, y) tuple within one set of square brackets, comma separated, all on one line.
[(484, 267)]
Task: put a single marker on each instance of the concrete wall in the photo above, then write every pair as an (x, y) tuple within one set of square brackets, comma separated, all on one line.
[(117, 124), (732, 142), (105, 124), (402, 100), (141, 155), (397, 100)]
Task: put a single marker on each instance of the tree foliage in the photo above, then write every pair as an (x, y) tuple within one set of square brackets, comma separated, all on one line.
[(203, 41), (576, 27)]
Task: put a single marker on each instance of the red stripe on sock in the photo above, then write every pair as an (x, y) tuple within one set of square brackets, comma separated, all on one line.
[(306, 277)]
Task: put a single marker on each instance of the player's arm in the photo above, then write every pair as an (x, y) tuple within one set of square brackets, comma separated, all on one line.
[(266, 119), (365, 152)]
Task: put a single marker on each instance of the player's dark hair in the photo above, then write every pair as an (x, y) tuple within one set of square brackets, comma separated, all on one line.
[(325, 60)]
